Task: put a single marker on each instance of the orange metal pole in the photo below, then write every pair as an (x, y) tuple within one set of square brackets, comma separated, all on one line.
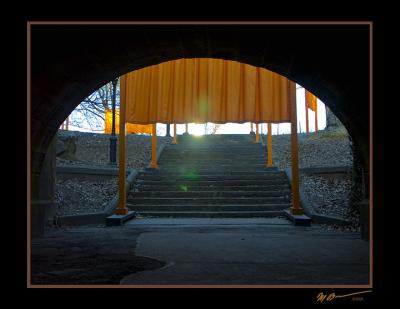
[(316, 118), (122, 210), (174, 141), (307, 128), (257, 134), (295, 209), (154, 147), (269, 143)]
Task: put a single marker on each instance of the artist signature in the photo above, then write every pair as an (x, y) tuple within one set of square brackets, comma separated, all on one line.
[(321, 297)]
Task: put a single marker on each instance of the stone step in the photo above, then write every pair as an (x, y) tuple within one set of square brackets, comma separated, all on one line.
[(223, 159), (220, 158), (208, 162), (209, 165), (209, 194), (214, 148), (207, 200), (222, 172), (198, 208), (227, 151), (217, 144), (209, 170), (210, 214), (227, 156), (235, 182), (209, 177), (194, 188)]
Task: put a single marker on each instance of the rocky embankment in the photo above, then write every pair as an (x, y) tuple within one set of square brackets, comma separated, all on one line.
[(91, 149), (327, 195)]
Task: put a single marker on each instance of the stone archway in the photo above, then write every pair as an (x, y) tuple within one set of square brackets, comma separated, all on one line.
[(68, 63)]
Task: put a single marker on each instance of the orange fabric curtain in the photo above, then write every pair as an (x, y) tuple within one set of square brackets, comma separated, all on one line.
[(311, 100), (203, 90), (130, 127)]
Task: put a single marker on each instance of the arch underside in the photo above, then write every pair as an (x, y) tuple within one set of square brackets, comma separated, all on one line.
[(68, 63)]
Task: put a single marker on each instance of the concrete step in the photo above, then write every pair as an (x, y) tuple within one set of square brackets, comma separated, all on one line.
[(261, 166), (207, 200), (209, 194), (212, 158), (211, 164), (227, 151), (210, 214), (216, 183), (215, 144), (189, 188), (221, 158), (196, 208), (209, 177), (214, 149), (217, 171), (208, 162)]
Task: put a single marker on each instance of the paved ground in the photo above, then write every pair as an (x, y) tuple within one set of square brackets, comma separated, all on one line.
[(201, 251)]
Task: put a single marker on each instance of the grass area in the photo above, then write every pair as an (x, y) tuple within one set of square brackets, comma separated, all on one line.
[(339, 134)]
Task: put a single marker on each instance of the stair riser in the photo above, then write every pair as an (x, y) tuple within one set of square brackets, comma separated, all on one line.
[(211, 164), (229, 172), (178, 208), (209, 194), (223, 155), (224, 183), (265, 214), (212, 171), (207, 201), (211, 177), (141, 188)]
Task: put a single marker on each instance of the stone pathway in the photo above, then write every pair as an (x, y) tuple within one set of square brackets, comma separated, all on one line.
[(201, 251)]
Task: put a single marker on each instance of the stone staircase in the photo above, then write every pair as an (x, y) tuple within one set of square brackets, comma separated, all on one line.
[(211, 176)]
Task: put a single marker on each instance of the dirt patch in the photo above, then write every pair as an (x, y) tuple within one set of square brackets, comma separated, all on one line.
[(90, 269), (87, 255)]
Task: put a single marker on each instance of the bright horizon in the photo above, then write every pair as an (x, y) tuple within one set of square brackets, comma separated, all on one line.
[(244, 128)]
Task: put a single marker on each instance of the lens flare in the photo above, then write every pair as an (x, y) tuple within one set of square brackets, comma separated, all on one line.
[(183, 188)]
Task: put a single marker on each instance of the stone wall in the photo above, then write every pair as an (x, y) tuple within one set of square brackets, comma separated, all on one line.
[(43, 203), (332, 122)]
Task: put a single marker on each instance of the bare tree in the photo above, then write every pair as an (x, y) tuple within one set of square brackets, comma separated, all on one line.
[(211, 128), (91, 111)]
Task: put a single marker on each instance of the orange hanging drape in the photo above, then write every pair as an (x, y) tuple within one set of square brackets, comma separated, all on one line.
[(207, 90), (311, 100), (130, 128)]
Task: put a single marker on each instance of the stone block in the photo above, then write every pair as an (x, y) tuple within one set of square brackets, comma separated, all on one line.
[(298, 220), (117, 220)]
